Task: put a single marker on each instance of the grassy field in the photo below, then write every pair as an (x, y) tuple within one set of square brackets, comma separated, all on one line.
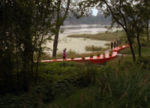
[(108, 36)]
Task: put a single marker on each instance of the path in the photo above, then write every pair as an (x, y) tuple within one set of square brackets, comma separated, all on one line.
[(107, 56)]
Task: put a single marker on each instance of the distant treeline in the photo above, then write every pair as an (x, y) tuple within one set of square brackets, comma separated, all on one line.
[(99, 19)]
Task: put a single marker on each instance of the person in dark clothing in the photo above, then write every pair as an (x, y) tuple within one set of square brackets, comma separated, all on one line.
[(64, 54), (111, 45)]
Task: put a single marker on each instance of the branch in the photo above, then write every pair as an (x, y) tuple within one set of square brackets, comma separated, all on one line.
[(113, 15), (124, 18), (67, 9), (58, 13)]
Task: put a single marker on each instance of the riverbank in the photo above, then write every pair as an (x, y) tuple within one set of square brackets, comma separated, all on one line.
[(107, 36), (89, 47)]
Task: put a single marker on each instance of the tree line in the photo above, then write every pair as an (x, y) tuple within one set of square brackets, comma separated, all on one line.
[(24, 25), (99, 19)]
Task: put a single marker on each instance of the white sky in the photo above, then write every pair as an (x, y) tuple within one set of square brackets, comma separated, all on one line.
[(95, 11)]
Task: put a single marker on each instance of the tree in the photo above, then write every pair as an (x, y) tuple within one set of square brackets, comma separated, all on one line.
[(23, 25), (126, 14), (146, 5), (42, 25), (62, 9)]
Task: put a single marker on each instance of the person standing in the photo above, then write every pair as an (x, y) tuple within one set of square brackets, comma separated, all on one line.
[(111, 45), (64, 54)]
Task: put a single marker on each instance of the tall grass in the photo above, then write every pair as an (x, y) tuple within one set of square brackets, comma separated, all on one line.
[(118, 85), (94, 48)]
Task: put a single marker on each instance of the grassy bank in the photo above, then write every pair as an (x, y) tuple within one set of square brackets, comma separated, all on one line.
[(95, 48), (108, 36)]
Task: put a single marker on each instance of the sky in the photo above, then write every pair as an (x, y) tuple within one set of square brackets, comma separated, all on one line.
[(95, 11)]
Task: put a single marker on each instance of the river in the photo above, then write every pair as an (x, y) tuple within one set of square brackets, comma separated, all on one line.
[(78, 44)]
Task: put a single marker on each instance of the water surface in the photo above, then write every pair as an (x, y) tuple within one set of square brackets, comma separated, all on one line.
[(78, 44)]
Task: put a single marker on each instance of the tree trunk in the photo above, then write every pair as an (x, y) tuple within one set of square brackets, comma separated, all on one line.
[(59, 21), (147, 30), (139, 45), (37, 66), (131, 48), (38, 59), (27, 58), (55, 44)]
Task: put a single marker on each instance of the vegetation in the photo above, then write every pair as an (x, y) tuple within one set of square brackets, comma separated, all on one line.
[(108, 36), (90, 20), (62, 9), (72, 54), (127, 14), (56, 79), (22, 32), (27, 83), (145, 49), (94, 48), (117, 84)]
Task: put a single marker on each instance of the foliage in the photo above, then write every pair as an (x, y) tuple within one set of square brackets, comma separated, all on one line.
[(22, 29), (57, 79), (127, 14), (118, 84), (62, 9), (90, 20)]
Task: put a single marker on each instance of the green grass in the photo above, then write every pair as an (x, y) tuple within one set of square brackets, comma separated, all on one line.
[(108, 36), (145, 49), (119, 84)]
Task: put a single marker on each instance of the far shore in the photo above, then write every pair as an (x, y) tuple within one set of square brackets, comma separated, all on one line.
[(107, 36)]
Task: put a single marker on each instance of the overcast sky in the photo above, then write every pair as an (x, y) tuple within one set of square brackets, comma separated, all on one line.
[(95, 11)]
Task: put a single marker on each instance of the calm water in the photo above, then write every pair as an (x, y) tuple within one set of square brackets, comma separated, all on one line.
[(78, 44)]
